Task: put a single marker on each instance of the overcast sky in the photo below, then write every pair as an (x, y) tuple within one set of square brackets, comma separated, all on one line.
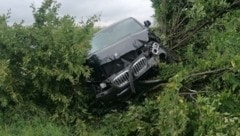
[(110, 10)]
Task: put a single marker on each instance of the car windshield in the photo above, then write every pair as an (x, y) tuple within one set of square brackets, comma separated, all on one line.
[(114, 33)]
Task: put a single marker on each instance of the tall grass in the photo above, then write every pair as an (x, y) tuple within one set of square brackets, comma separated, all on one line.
[(34, 127)]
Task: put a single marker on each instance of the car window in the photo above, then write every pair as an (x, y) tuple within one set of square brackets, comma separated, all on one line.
[(114, 33)]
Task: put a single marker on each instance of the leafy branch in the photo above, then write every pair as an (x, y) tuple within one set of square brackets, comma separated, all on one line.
[(205, 22)]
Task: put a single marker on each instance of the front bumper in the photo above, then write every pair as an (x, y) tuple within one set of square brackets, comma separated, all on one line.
[(121, 82)]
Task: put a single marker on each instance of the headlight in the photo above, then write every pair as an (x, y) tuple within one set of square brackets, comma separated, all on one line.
[(155, 48)]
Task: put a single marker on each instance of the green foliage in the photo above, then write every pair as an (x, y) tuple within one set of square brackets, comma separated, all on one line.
[(214, 118), (42, 74), (178, 20), (209, 66), (44, 63), (166, 114), (5, 88), (34, 126)]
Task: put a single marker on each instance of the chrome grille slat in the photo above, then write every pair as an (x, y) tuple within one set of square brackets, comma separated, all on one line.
[(139, 66), (122, 79)]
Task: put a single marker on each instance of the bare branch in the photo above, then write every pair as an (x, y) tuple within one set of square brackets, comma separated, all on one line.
[(205, 22), (209, 72)]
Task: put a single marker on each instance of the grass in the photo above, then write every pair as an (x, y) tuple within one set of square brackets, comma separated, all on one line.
[(33, 127)]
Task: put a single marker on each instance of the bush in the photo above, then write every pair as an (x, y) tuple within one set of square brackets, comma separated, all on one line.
[(43, 74), (43, 64)]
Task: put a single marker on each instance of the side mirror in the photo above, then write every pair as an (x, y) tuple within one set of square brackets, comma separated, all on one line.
[(147, 23)]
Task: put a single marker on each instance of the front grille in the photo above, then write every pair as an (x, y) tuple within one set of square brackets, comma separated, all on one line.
[(139, 66), (122, 79)]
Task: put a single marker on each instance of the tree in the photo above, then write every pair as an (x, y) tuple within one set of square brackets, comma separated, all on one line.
[(44, 64), (181, 20)]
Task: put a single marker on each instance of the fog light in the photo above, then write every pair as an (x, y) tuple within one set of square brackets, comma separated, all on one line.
[(103, 85)]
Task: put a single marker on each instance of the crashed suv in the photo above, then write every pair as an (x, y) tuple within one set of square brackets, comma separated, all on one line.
[(121, 54)]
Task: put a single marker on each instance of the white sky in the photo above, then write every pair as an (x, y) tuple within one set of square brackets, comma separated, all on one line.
[(110, 10)]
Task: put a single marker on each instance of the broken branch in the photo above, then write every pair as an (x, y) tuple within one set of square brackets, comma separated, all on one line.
[(190, 33)]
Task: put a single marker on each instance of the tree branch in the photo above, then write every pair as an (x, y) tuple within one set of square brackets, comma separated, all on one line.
[(190, 33), (209, 72)]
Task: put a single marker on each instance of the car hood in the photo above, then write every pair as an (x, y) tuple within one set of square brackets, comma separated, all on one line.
[(119, 48)]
